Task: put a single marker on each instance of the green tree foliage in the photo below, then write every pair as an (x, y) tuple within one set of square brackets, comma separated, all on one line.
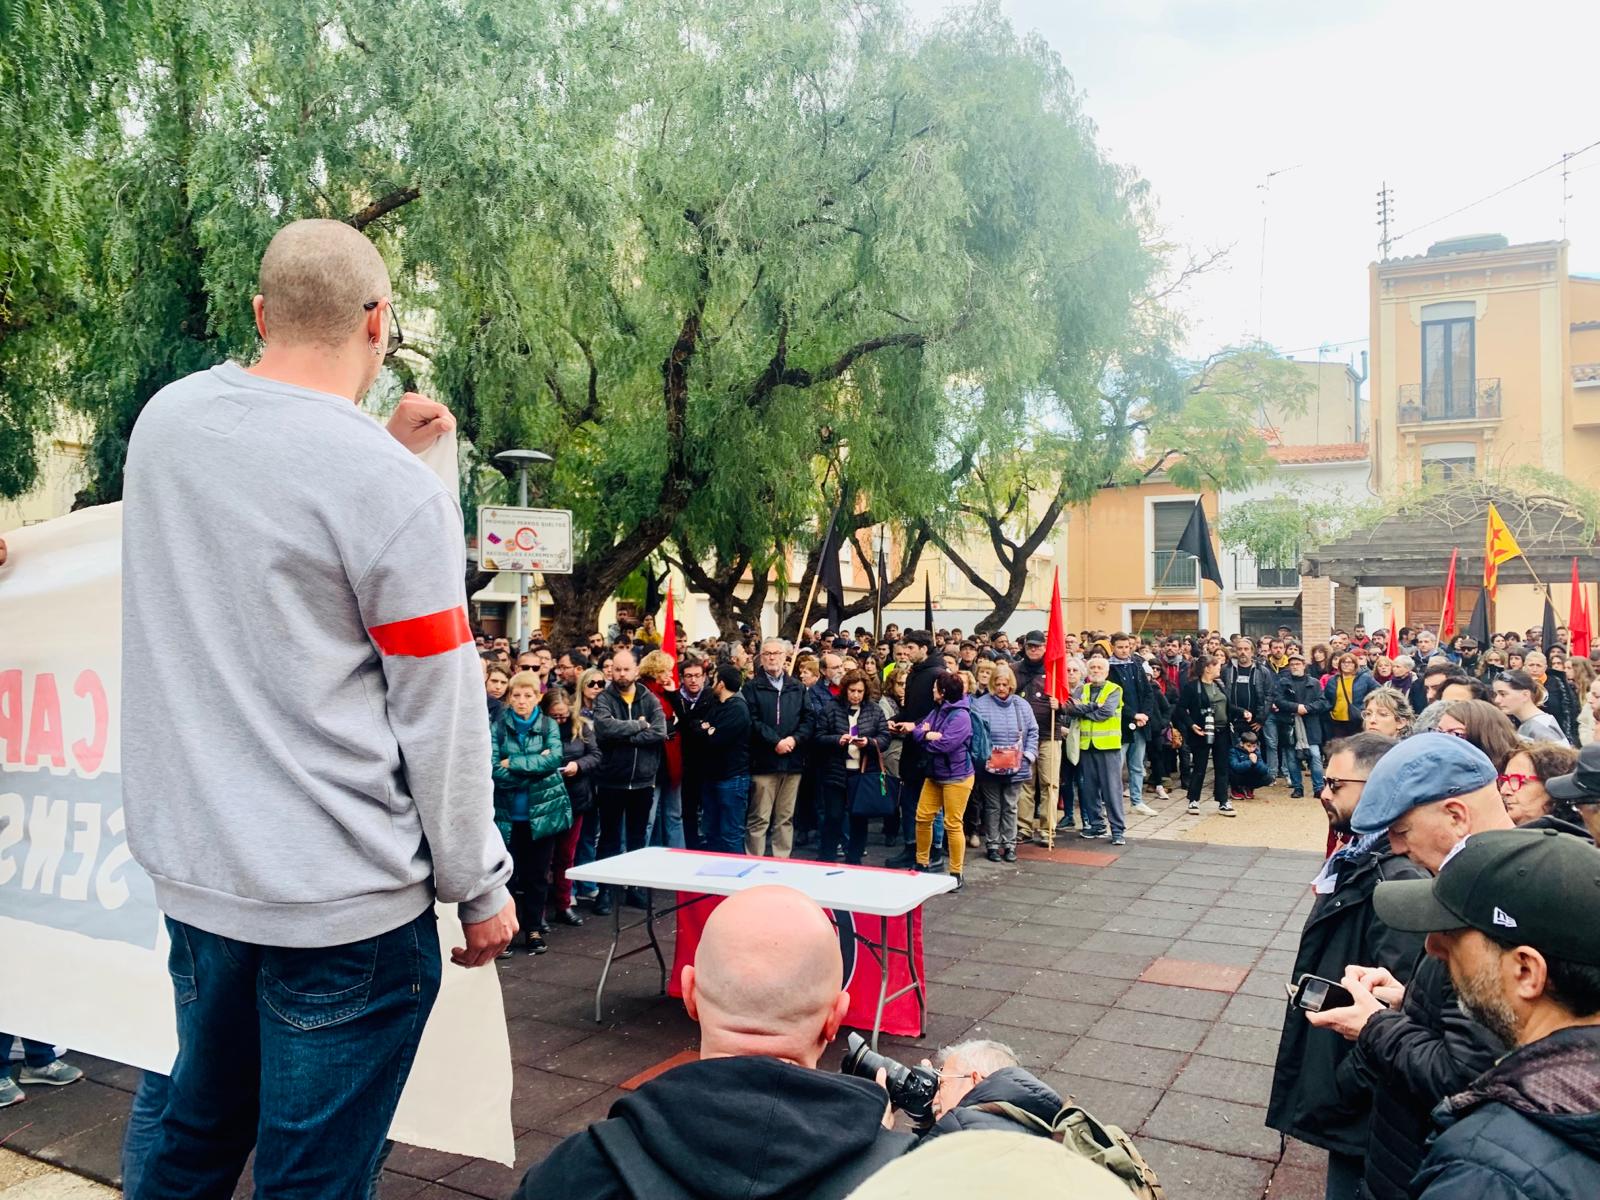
[(706, 255), (1138, 415)]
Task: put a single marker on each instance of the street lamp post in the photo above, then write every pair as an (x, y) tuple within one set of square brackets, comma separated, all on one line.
[(522, 460)]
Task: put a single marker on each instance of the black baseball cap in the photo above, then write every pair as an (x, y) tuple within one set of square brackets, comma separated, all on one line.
[(1527, 887), (1583, 785), (1034, 637)]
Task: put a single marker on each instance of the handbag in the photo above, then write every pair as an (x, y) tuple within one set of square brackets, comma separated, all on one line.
[(872, 793)]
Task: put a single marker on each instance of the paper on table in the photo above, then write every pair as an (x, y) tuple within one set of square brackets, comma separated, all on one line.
[(728, 870)]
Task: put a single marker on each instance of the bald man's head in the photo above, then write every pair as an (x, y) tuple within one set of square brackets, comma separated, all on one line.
[(767, 977), (317, 277)]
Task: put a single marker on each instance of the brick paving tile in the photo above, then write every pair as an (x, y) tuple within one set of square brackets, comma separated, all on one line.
[(1247, 1083), (1288, 939), (1116, 966), (1242, 1044), (533, 1040), (1214, 952), (1217, 870), (1277, 905), (1127, 943), (1298, 1183), (1035, 1048), (1231, 933), (1079, 907), (1001, 952), (1054, 1016), (419, 1163), (1149, 1029), (1146, 1066), (1085, 989), (394, 1186), (1128, 888), (1123, 1104), (1215, 1124), (972, 972), (1076, 858), (1281, 961), (1264, 983), (1263, 1012), (1195, 1003), (1168, 910), (95, 1151), (938, 1029), (1195, 1174), (968, 1002), (52, 1115), (1179, 972), (495, 1182), (1053, 937), (581, 1116), (1146, 926), (953, 945), (1183, 895), (538, 1096)]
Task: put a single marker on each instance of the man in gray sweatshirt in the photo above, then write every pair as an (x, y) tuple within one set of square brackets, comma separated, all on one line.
[(305, 746)]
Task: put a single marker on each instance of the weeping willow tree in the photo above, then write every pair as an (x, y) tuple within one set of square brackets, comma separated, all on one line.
[(705, 255)]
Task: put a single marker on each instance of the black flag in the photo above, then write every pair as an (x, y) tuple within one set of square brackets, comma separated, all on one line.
[(1196, 540), (927, 604), (1478, 625), (652, 590), (832, 584), (1547, 637)]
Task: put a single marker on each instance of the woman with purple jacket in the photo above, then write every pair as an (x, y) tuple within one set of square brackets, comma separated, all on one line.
[(946, 737)]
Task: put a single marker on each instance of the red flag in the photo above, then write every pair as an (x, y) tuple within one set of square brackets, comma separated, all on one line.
[(1393, 648), (1578, 616), (1588, 630), (1055, 647), (669, 635), (1447, 613)]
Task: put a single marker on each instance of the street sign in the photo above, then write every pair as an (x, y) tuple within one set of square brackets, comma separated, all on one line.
[(525, 539)]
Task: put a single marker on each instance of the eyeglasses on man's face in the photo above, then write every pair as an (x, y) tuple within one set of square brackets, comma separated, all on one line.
[(1334, 783), (396, 337)]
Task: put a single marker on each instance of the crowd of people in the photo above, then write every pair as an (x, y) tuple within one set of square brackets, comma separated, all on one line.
[(757, 746)]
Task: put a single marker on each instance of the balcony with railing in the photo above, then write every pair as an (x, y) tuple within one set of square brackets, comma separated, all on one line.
[(1455, 400), (1175, 570)]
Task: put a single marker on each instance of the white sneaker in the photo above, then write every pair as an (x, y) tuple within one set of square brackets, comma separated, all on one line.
[(1161, 793), (1194, 808), (1143, 809)]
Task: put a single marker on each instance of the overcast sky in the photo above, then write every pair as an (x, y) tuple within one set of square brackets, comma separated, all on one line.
[(1447, 102)]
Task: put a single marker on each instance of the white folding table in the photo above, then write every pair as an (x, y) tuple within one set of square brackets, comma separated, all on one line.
[(870, 891)]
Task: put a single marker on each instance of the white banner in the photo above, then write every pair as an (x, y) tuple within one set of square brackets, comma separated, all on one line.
[(83, 938)]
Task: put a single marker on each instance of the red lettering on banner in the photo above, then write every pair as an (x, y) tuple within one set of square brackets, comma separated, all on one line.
[(11, 714), (423, 637), (90, 752), (44, 724)]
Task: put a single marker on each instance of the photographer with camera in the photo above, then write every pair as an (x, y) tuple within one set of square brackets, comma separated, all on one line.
[(980, 1086), (753, 1116)]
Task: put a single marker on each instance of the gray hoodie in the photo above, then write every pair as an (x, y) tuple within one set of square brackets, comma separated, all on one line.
[(305, 745)]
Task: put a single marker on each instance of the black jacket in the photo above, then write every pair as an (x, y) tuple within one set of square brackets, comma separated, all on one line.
[(630, 753), (870, 723), (690, 713), (726, 749), (1286, 702), (1308, 1101), (777, 712), (1252, 689), (1191, 708), (1138, 693), (585, 751), (1411, 1058), (1030, 686), (1561, 701), (746, 1128), (1008, 1085), (1528, 1129)]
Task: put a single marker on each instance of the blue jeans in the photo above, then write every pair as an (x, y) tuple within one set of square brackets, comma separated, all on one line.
[(1314, 753), (723, 806), (1270, 755), (144, 1127), (668, 827), (1134, 742), (588, 850), (34, 1054), (299, 1054)]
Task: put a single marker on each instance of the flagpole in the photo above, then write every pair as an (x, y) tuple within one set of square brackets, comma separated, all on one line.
[(1160, 583)]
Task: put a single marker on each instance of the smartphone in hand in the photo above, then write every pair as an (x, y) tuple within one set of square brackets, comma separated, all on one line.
[(1316, 994)]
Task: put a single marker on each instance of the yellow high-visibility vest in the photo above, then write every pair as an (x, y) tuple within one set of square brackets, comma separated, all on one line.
[(1107, 734)]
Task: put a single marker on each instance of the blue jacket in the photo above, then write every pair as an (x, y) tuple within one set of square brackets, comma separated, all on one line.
[(1011, 723)]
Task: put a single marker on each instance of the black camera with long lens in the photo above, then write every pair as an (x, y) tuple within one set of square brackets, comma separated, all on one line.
[(911, 1089)]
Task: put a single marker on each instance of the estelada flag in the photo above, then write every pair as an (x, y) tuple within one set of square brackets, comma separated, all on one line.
[(1447, 612), (1055, 647), (902, 1016), (1499, 547)]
